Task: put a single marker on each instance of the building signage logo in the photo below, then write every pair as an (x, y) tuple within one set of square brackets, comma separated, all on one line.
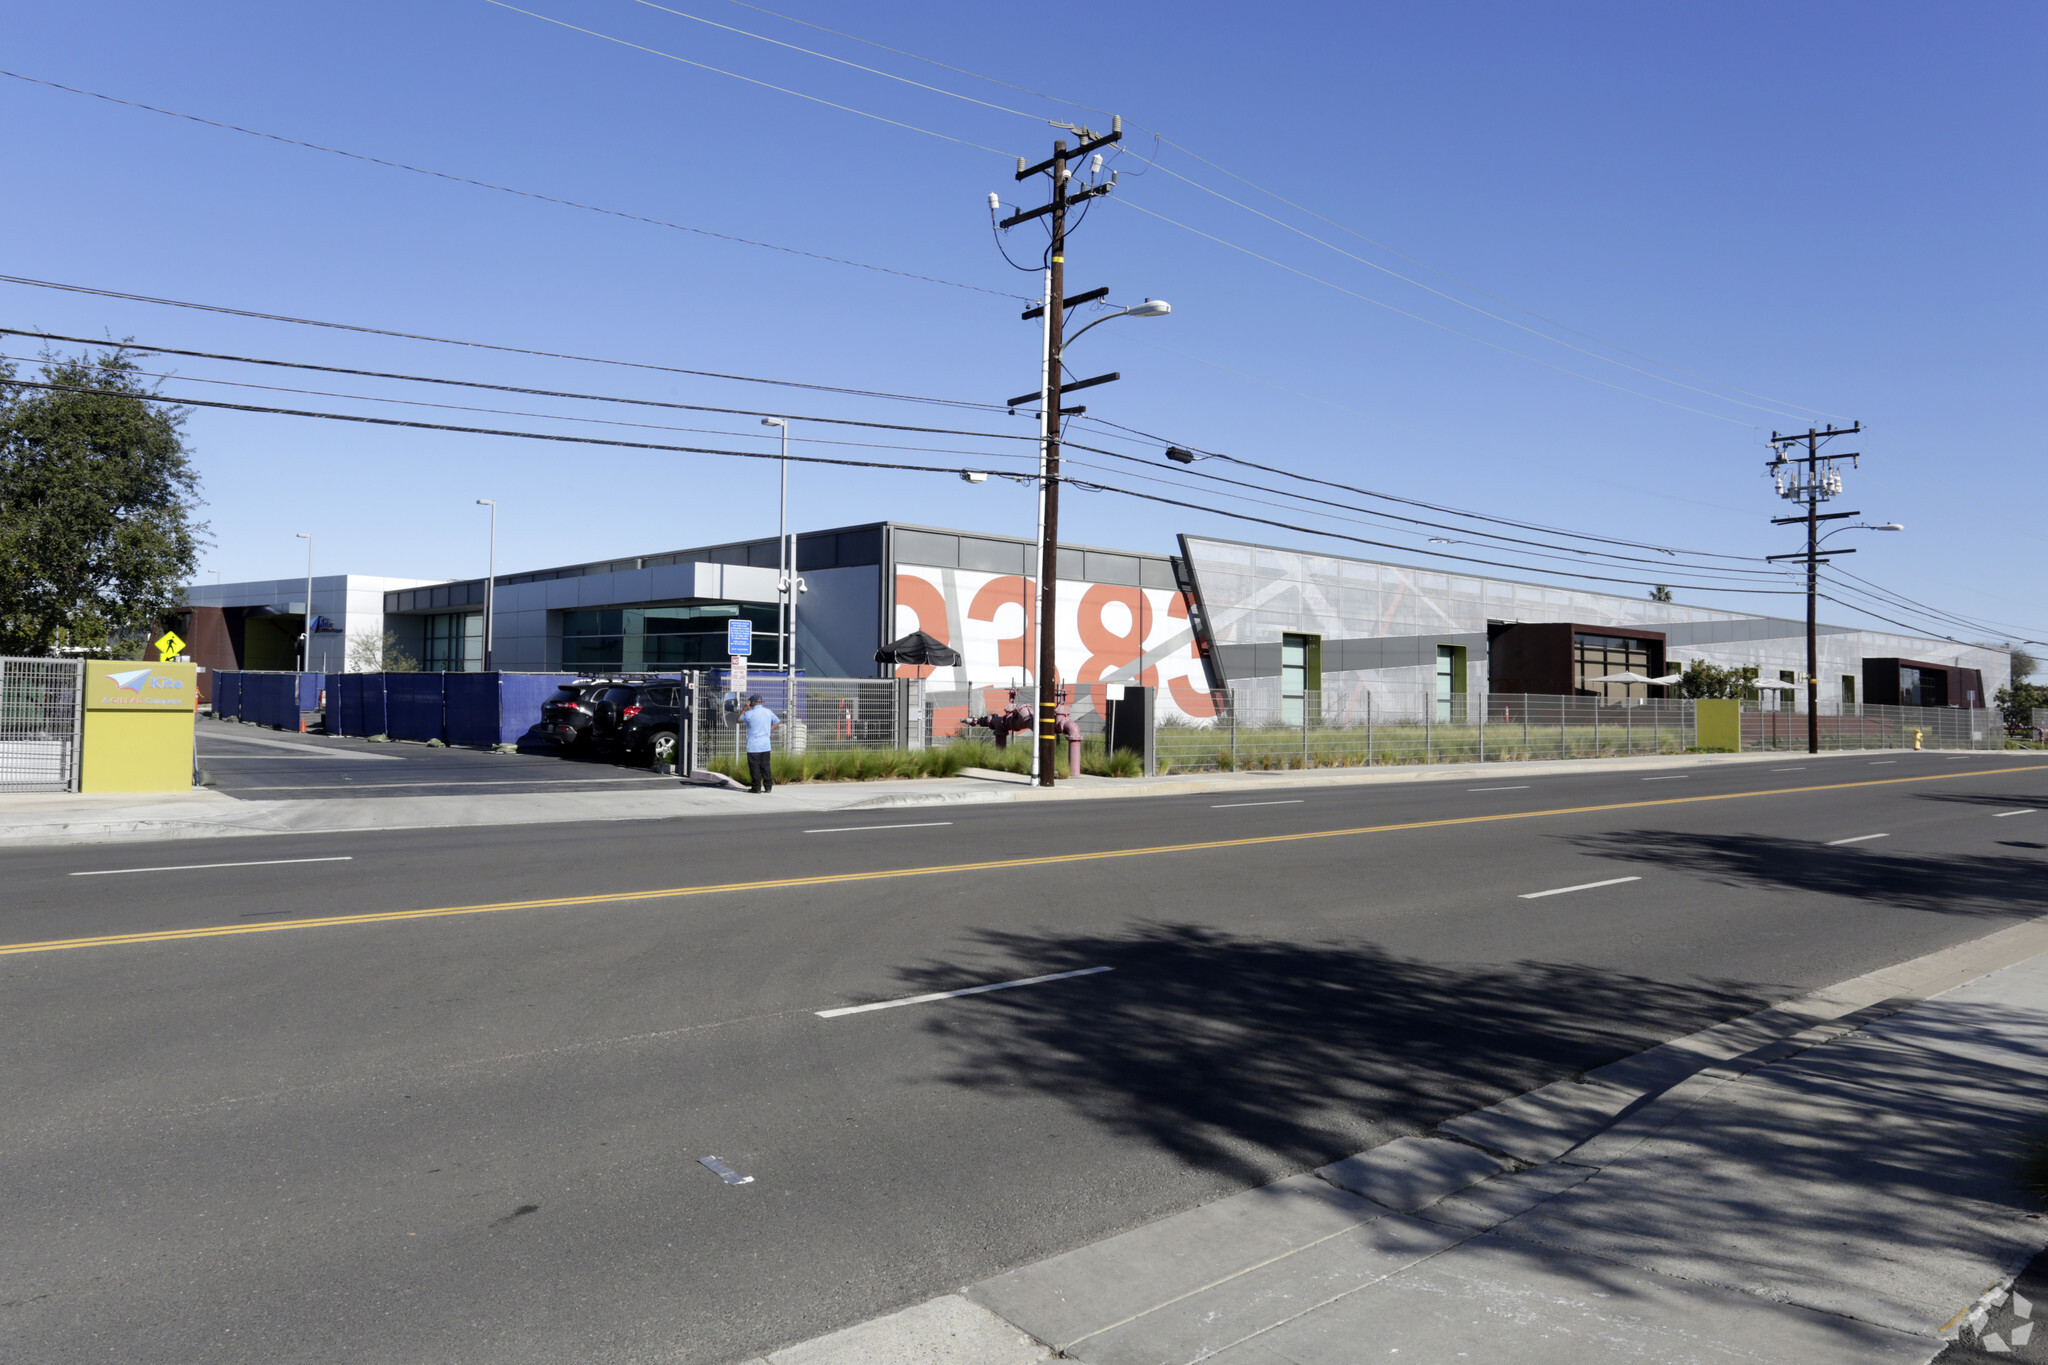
[(109, 686), (739, 638)]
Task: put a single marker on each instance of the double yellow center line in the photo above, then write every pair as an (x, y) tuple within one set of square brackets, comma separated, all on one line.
[(847, 878)]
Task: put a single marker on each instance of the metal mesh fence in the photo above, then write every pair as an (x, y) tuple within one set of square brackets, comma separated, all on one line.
[(817, 714), (1257, 729), (42, 705), (1855, 726)]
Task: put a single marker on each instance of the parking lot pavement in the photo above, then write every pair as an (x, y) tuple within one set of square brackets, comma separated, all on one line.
[(252, 764)]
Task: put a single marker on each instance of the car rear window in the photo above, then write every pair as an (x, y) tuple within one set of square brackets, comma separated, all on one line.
[(624, 696)]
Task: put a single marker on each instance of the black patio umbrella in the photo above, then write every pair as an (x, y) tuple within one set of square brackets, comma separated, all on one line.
[(918, 648)]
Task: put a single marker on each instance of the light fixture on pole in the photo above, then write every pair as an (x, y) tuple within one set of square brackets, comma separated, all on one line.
[(785, 567), (490, 581), (306, 652), (1051, 386)]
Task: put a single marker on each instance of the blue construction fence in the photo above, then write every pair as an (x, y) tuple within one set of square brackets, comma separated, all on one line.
[(456, 708), (275, 699)]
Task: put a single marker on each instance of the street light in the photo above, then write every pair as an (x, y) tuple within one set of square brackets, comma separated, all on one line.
[(1049, 498), (490, 579), (306, 652), (785, 566)]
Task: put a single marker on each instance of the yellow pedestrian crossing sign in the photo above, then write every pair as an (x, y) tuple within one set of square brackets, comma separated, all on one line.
[(170, 646)]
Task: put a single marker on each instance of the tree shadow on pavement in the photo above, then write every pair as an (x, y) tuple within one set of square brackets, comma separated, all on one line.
[(1993, 800), (1874, 1176), (1245, 1055), (1998, 884)]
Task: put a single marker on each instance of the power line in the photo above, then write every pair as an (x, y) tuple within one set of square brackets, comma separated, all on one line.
[(1898, 601), (556, 416), (508, 189), (1416, 502), (492, 431), (766, 85), (1385, 545), (1153, 162), (809, 52), (1776, 411), (515, 388), (961, 70), (1730, 578), (1423, 265), (1417, 317), (959, 403), (1432, 525), (181, 401), (1539, 547), (509, 350)]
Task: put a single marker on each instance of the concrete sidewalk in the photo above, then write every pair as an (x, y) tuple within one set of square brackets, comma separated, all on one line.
[(1827, 1182), (31, 819)]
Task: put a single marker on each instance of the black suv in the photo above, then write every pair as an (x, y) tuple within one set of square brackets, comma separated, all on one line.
[(586, 713), (649, 725)]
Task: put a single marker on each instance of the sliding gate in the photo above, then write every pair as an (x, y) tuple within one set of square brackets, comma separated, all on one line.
[(42, 712)]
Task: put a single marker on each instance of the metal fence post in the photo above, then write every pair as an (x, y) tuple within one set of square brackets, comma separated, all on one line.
[(1368, 729), (1428, 724), (1596, 727), (1304, 726), (1230, 705), (1482, 727)]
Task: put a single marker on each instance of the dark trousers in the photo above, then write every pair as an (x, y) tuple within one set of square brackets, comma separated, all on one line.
[(760, 773)]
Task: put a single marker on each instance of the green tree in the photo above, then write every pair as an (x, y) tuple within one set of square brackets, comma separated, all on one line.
[(1705, 681), (97, 495), (2016, 703), (1660, 593), (2024, 664), (369, 652)]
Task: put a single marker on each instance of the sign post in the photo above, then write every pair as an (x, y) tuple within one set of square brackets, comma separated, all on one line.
[(739, 645)]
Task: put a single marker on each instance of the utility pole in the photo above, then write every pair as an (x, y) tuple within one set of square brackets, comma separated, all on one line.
[(1810, 478), (1051, 387)]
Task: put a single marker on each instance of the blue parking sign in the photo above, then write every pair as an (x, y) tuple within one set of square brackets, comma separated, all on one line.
[(739, 638)]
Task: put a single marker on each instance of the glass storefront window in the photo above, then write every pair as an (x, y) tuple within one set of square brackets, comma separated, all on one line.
[(453, 642), (1597, 656), (663, 637)]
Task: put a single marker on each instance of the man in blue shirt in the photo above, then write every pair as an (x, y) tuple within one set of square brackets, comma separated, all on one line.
[(759, 723)]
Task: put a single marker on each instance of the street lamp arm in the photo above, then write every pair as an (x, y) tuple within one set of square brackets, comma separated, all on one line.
[(1150, 308), (1864, 526)]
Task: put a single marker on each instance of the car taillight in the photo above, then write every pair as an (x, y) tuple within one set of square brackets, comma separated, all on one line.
[(630, 712), (569, 705)]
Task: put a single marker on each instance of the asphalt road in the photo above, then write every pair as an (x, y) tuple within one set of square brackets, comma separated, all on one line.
[(238, 1130), (255, 763)]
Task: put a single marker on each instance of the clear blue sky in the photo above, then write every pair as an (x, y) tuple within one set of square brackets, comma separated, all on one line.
[(1838, 206)]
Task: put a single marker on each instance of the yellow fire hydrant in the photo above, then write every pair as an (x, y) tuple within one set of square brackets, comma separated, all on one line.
[(1916, 739)]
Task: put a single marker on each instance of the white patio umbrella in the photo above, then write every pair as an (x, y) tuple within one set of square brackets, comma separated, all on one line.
[(1628, 678)]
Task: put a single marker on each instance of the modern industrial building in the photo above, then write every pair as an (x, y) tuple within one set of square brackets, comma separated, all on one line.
[(1215, 614)]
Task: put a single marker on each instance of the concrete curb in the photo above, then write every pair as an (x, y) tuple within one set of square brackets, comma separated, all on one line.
[(142, 821), (1474, 1172)]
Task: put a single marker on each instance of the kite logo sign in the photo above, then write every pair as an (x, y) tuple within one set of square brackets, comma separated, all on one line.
[(115, 686)]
